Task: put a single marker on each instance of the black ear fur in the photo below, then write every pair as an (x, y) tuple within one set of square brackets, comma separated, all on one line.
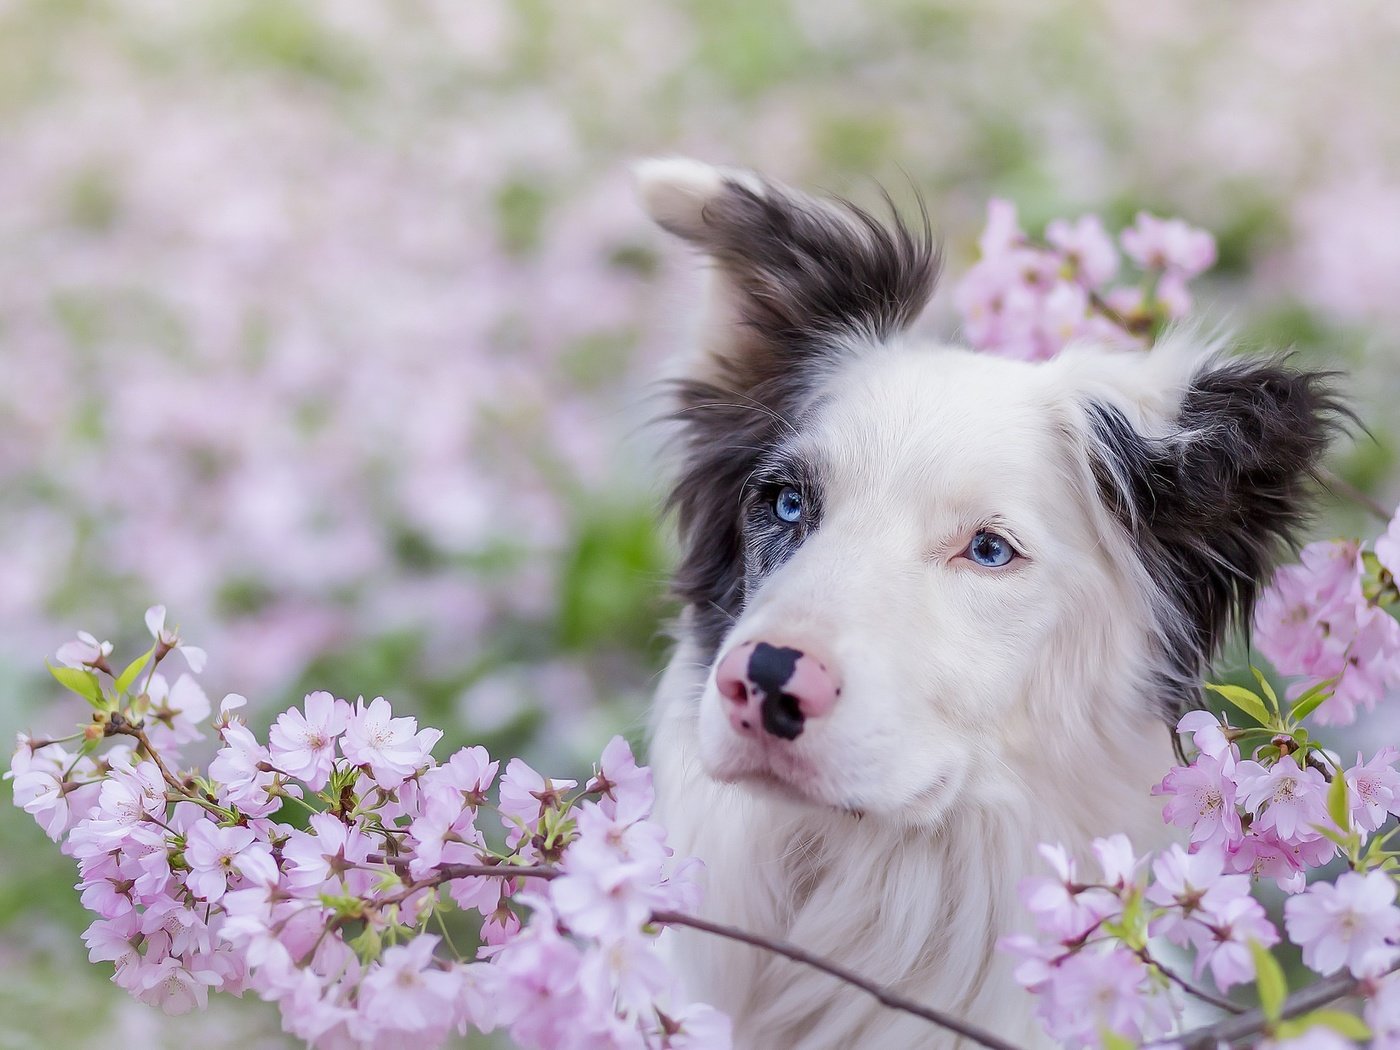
[(807, 279), (1212, 504)]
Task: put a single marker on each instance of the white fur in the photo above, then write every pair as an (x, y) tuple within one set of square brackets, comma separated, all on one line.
[(983, 711)]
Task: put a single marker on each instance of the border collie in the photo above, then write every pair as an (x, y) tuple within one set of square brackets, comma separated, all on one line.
[(939, 606)]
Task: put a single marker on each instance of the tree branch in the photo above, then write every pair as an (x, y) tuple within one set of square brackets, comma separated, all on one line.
[(894, 1001), (1305, 1000), (1191, 989), (119, 726), (886, 997)]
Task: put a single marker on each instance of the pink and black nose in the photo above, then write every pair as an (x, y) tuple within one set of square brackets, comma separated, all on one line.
[(775, 688)]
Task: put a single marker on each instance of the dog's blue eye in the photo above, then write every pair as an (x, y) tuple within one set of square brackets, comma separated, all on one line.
[(991, 550), (788, 505)]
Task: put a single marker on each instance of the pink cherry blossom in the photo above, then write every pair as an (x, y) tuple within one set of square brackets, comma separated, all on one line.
[(243, 770), (1284, 798), (1201, 797), (1003, 230), (330, 851), (1169, 245), (524, 796), (216, 854), (698, 1027), (408, 992), (627, 793), (1207, 733), (605, 891), (1091, 991), (470, 770), (1062, 907), (1351, 923), (169, 638), (42, 790), (1197, 893), (84, 652), (1382, 1014), (1224, 936), (1064, 312), (174, 987), (1119, 863), (392, 748), (197, 886), (303, 744), (1087, 247), (176, 711), (532, 987), (227, 706), (1373, 789), (1265, 855), (128, 796)]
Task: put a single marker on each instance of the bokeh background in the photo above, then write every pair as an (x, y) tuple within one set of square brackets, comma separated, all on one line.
[(333, 326)]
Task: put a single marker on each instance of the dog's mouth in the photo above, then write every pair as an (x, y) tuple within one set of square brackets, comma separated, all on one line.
[(767, 782)]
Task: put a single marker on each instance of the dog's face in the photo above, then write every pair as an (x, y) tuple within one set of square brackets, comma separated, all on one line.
[(906, 563)]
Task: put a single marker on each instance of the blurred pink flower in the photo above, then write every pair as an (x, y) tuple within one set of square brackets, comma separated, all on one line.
[(1351, 923), (1169, 246)]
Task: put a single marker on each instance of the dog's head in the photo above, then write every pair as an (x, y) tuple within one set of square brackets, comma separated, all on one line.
[(903, 562)]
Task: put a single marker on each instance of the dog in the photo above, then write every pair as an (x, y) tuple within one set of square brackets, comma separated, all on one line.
[(938, 606)]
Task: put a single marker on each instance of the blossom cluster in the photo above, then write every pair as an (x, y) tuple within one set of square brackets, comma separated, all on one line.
[(1028, 300), (1330, 618), (316, 868), (1288, 809), (1259, 801)]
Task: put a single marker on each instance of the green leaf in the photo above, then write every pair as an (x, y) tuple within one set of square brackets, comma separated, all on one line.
[(1312, 700), (133, 669), (1246, 701), (1113, 1041), (368, 944), (1344, 1024), (84, 683), (1343, 840), (1273, 986), (1265, 688), (1337, 806)]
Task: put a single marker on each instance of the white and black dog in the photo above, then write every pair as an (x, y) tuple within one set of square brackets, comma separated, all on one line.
[(938, 606)]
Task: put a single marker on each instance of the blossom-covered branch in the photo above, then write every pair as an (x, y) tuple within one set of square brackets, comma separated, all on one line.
[(309, 869)]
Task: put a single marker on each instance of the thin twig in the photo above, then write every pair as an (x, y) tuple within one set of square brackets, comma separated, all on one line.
[(125, 728), (1191, 989), (448, 872), (1341, 487), (884, 995)]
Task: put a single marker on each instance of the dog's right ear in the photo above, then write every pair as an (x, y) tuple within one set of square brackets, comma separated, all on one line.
[(797, 284), (796, 279)]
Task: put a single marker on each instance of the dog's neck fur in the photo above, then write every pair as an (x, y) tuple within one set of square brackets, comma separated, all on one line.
[(918, 910)]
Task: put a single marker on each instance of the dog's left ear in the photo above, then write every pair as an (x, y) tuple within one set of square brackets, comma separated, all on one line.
[(1213, 496), (796, 285), (796, 278)]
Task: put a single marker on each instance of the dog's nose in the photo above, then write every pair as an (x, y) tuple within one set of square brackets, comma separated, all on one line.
[(775, 688)]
